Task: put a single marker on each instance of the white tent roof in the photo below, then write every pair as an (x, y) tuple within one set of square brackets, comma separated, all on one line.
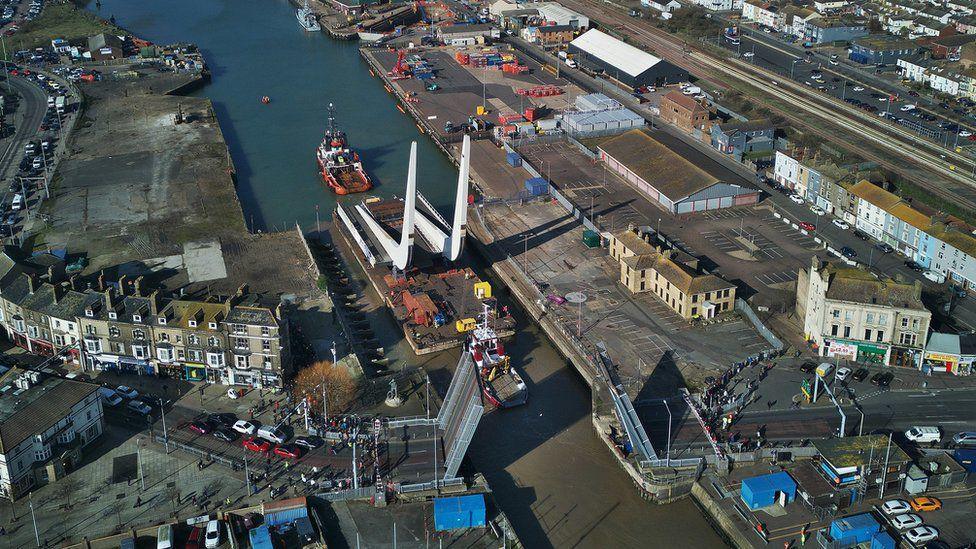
[(625, 57)]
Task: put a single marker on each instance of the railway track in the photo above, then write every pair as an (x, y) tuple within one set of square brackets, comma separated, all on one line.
[(895, 148)]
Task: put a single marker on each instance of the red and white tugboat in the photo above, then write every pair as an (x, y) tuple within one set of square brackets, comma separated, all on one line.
[(499, 381), (340, 166)]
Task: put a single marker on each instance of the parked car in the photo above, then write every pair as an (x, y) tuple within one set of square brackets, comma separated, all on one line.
[(139, 407), (224, 434), (914, 266), (934, 276), (860, 374), (225, 420), (290, 451), (309, 442), (884, 248), (906, 521), (923, 434), (965, 438), (817, 210), (848, 252), (808, 367), (127, 392), (212, 538), (921, 534), (894, 507), (807, 226), (882, 379), (843, 374), (926, 503), (268, 432), (796, 198), (861, 234), (841, 224), (257, 445), (245, 427)]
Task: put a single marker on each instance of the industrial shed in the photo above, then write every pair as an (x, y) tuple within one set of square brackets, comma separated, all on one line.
[(628, 65), (582, 124), (667, 178)]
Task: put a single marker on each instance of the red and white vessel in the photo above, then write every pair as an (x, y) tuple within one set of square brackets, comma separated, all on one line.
[(499, 381), (340, 166)]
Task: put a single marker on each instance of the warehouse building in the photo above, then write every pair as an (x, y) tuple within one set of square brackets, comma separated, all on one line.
[(667, 178), (628, 65)]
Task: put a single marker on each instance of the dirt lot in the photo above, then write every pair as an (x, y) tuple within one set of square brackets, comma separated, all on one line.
[(138, 193)]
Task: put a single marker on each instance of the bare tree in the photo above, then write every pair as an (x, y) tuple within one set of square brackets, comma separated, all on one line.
[(68, 487), (116, 508), (340, 386), (173, 495)]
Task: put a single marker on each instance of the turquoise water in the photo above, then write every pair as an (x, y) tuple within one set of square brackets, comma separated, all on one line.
[(256, 48)]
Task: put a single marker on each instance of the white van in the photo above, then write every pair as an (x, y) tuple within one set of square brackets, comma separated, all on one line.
[(109, 397), (923, 435), (164, 537), (824, 369), (271, 434), (17, 203)]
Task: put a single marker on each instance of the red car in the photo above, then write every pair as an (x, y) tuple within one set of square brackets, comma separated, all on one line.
[(288, 451), (807, 226), (257, 445)]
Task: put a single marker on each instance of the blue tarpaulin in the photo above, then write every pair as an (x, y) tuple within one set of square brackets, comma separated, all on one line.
[(459, 512), (261, 538), (762, 491), (883, 540)]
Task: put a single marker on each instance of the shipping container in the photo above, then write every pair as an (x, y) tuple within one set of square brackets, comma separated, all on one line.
[(513, 159), (854, 529), (967, 458), (537, 186)]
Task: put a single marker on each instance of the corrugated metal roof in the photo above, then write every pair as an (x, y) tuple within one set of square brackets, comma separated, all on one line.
[(616, 115), (625, 57)]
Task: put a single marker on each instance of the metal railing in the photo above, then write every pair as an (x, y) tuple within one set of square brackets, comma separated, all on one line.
[(433, 485)]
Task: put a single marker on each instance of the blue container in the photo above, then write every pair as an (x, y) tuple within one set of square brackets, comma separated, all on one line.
[(459, 512), (277, 518), (514, 159), (854, 529), (537, 186)]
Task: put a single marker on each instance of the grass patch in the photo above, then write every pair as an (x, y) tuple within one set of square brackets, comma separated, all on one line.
[(66, 21)]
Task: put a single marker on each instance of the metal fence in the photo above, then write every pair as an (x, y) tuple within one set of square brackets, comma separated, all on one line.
[(365, 492), (744, 308), (420, 487), (200, 453)]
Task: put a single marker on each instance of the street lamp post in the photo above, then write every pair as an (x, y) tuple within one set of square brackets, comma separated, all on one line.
[(793, 66), (162, 413), (668, 408)]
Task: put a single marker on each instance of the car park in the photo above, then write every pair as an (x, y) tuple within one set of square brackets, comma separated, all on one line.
[(860, 374), (926, 503), (906, 521), (894, 507), (245, 427), (257, 445), (965, 438), (921, 534), (841, 224)]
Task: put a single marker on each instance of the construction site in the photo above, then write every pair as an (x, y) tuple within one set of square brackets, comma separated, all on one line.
[(434, 296)]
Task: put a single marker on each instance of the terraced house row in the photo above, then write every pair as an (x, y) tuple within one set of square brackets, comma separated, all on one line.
[(235, 340), (940, 243)]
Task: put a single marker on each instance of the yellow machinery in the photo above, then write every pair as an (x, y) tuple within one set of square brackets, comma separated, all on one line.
[(465, 325), (482, 290)]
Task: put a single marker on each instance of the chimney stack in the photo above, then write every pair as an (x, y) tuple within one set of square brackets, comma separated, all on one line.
[(58, 291), (109, 298), (73, 282), (137, 286), (153, 302), (123, 289), (31, 284), (101, 281)]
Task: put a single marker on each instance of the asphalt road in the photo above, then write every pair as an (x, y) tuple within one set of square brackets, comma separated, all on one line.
[(34, 103)]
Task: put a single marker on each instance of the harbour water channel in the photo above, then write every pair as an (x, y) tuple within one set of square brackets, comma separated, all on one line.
[(551, 474)]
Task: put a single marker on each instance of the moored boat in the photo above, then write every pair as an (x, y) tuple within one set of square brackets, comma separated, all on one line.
[(500, 383), (340, 166), (307, 18)]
